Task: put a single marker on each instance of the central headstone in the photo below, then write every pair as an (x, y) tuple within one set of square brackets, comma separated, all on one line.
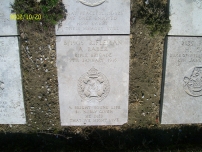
[(182, 93), (11, 96), (96, 17), (93, 75)]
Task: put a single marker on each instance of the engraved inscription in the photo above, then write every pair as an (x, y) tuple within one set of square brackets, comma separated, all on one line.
[(1, 15), (93, 20), (97, 51), (1, 87), (191, 52), (11, 99), (3, 48), (93, 86), (2, 58), (92, 3), (198, 3), (94, 114), (95, 17), (193, 84)]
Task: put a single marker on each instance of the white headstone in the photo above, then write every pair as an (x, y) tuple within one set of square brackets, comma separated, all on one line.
[(93, 75), (185, 16), (96, 17), (182, 95), (11, 96), (8, 26)]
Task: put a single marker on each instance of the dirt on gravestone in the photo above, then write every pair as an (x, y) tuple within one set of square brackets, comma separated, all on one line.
[(40, 85)]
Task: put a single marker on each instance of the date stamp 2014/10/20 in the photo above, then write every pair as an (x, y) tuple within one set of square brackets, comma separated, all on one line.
[(25, 17)]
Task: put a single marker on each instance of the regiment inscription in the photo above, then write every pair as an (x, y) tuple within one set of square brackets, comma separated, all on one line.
[(182, 91), (96, 17), (93, 75)]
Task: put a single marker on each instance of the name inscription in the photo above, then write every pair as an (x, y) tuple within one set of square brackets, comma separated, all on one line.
[(191, 53), (96, 52)]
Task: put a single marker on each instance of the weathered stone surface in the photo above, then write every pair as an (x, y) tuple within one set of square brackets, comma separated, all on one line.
[(11, 97), (96, 17), (8, 26), (93, 75), (185, 16), (182, 97)]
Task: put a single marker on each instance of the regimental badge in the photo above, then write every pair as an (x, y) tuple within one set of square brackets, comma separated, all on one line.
[(92, 3), (93, 85), (193, 84), (1, 87), (198, 3)]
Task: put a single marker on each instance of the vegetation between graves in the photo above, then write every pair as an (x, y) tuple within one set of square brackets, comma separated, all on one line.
[(52, 11), (155, 15)]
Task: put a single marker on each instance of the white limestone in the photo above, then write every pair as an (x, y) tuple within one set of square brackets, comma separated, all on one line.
[(182, 95), (11, 97), (96, 17), (93, 75), (8, 26), (185, 16)]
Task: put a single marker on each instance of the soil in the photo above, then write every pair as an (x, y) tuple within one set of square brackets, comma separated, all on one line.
[(143, 130)]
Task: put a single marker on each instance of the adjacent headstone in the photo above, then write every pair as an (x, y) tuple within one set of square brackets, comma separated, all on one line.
[(8, 26), (182, 94), (93, 75), (96, 17), (11, 97), (185, 16)]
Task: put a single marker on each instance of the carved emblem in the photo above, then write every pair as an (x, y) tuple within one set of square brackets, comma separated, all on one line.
[(93, 85), (1, 87), (193, 84), (92, 3), (198, 3)]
